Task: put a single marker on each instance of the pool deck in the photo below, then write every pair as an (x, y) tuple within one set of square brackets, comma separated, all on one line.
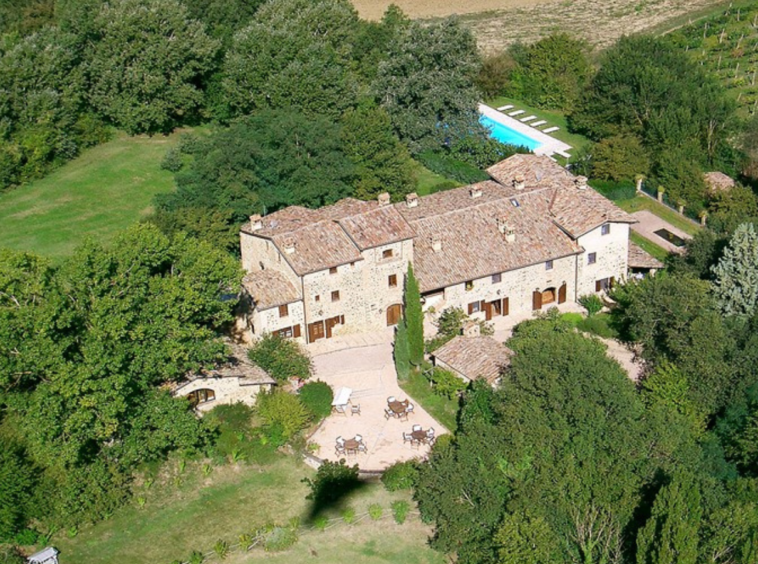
[(548, 145)]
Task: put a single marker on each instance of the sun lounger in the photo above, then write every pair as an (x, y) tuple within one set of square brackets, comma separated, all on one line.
[(528, 118), (503, 108), (551, 129), (538, 123), (516, 113)]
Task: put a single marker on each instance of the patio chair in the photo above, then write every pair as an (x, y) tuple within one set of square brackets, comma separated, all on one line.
[(340, 441), (339, 449), (355, 409), (340, 409), (358, 438), (430, 432), (388, 413), (390, 399), (407, 438), (409, 408), (362, 448), (417, 427)]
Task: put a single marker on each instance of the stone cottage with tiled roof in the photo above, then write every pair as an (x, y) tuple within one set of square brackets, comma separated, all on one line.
[(531, 236)]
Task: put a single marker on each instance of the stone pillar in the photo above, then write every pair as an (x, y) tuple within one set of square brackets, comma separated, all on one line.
[(639, 184), (660, 195), (681, 209), (703, 218)]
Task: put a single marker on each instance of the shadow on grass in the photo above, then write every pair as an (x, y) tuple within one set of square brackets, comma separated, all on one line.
[(331, 488)]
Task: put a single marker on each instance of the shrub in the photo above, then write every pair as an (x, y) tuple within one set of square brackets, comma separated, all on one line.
[(400, 476), (10, 555), (332, 481), (400, 511), (375, 511), (196, 557), (348, 515), (450, 323), (221, 548), (616, 191), (592, 303), (172, 161), (234, 433), (445, 383), (277, 538), (449, 167), (320, 522), (281, 358), (317, 398), (598, 325), (283, 414)]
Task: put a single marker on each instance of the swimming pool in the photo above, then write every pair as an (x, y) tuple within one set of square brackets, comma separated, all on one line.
[(505, 134)]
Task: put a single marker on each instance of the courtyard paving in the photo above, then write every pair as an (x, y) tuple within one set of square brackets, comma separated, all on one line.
[(649, 223)]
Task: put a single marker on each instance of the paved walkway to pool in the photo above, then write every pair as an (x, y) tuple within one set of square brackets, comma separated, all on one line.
[(549, 145), (648, 223)]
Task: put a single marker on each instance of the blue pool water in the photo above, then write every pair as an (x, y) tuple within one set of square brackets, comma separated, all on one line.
[(507, 135)]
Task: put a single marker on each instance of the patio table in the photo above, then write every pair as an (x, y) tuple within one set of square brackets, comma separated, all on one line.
[(351, 445), (419, 436), (398, 407)]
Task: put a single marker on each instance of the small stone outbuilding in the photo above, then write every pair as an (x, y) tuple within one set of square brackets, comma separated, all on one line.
[(718, 182), (641, 262), (473, 356), (237, 380)]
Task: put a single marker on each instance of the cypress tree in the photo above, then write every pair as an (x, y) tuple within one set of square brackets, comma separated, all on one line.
[(414, 318), (401, 353)]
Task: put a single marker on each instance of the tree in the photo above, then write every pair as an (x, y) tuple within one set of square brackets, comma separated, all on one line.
[(282, 413), (494, 74), (668, 387), (414, 318), (282, 358), (619, 158), (682, 177), (524, 539), (382, 163), (17, 485), (223, 17), (289, 40), (400, 352), (450, 323), (153, 84), (735, 283), (425, 84), (670, 535), (551, 73)]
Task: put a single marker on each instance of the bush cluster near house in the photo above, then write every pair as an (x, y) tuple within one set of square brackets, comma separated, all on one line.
[(282, 358), (450, 324), (317, 398)]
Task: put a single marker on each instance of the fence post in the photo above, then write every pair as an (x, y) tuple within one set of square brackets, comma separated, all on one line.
[(660, 193), (639, 180)]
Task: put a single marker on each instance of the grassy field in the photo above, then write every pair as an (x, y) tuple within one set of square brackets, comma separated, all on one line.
[(179, 518), (426, 180), (442, 409), (101, 192), (664, 212), (553, 119)]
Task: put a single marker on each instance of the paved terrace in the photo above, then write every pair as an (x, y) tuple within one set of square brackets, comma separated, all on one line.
[(549, 145), (649, 223)]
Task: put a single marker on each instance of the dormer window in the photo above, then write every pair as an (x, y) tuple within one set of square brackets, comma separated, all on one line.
[(549, 265), (605, 229)]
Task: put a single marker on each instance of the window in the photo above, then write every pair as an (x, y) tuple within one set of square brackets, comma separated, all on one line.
[(387, 253), (592, 258), (392, 280), (284, 310), (333, 270), (285, 333), (474, 307), (497, 278), (336, 296), (605, 284), (469, 285), (549, 265), (201, 396), (605, 229), (316, 298)]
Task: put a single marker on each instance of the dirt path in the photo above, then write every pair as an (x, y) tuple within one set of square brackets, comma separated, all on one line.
[(498, 23)]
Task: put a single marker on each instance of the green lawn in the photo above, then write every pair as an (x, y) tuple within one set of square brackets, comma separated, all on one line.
[(235, 499), (426, 180), (101, 192), (553, 118), (648, 246), (664, 212), (442, 409)]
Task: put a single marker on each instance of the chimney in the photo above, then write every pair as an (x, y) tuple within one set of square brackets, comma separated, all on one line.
[(475, 191), (581, 182), (256, 222), (471, 329), (411, 200), (384, 199), (519, 182), (436, 242), (289, 246), (506, 229)]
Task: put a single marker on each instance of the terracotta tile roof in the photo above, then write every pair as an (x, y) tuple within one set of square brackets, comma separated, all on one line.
[(533, 170), (237, 365), (379, 226), (317, 247), (472, 244), (639, 258), (718, 181), (269, 288), (579, 211), (475, 357)]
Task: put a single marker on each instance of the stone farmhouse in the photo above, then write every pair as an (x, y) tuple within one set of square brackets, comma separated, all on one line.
[(532, 236)]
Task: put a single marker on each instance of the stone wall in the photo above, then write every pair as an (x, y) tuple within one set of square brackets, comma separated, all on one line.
[(259, 253), (269, 320), (227, 390), (612, 256)]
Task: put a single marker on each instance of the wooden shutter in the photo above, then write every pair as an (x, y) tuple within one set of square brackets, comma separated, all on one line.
[(296, 331), (471, 308), (537, 300), (505, 306), (612, 282), (598, 285), (562, 293), (487, 311)]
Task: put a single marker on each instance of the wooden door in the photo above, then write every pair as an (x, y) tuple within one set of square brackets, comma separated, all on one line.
[(330, 323), (537, 300), (488, 311), (562, 293), (315, 331), (393, 314), (506, 306), (548, 296)]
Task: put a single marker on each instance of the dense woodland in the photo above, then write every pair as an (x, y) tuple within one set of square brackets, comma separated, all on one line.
[(568, 461)]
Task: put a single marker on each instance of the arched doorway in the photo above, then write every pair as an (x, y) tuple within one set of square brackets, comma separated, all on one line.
[(548, 295), (394, 312), (202, 395)]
